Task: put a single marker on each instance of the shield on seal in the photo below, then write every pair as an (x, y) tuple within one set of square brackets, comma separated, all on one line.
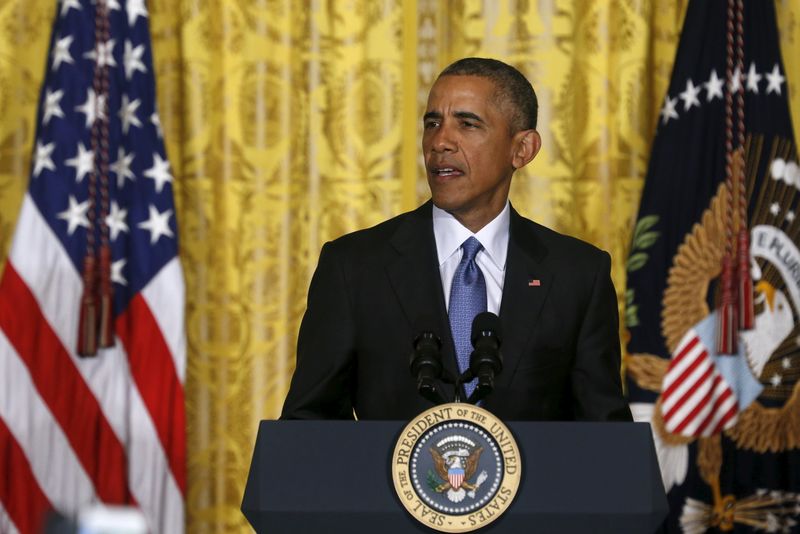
[(455, 475)]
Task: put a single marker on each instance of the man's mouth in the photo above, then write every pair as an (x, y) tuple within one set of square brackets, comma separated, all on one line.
[(445, 172)]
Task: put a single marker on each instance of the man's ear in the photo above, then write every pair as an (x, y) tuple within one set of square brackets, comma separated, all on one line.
[(526, 145)]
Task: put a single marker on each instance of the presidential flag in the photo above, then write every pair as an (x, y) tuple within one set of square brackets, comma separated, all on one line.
[(721, 389), (93, 269)]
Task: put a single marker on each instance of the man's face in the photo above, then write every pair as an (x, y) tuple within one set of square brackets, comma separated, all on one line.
[(470, 151)]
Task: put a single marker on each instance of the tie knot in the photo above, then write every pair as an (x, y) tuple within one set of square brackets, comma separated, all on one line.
[(471, 248)]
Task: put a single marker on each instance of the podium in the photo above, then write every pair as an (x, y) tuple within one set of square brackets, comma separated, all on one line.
[(334, 476)]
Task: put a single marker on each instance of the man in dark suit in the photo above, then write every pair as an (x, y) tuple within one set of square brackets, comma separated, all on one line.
[(553, 293)]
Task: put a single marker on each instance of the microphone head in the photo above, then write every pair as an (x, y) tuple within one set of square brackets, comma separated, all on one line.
[(425, 328), (486, 324), (426, 358)]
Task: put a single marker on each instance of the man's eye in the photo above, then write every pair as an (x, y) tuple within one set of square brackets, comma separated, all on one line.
[(468, 124), (430, 124)]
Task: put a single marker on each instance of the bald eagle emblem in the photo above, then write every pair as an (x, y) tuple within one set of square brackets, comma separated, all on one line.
[(456, 461)]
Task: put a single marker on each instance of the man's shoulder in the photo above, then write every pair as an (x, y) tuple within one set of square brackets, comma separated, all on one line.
[(558, 245), (375, 238)]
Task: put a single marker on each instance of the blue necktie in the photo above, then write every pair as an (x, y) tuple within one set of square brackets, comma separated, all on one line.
[(467, 299)]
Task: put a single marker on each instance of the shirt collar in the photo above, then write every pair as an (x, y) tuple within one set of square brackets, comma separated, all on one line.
[(450, 234)]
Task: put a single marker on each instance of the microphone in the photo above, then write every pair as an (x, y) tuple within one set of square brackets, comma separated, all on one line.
[(485, 362), (425, 363)]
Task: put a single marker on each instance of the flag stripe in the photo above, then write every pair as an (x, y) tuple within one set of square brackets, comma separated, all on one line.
[(6, 525), (154, 373), (40, 260), (684, 387), (20, 494), (151, 480), (690, 344), (720, 413), (726, 421), (63, 390), (682, 367), (700, 408), (161, 294), (711, 406), (696, 392), (33, 428)]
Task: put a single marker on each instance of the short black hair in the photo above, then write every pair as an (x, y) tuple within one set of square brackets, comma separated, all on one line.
[(512, 87)]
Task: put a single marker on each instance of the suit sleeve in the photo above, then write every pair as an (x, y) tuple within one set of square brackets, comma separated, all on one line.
[(596, 380), (322, 380)]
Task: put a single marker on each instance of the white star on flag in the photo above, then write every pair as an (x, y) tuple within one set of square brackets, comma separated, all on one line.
[(774, 80), (103, 54), (159, 172), (132, 58), (42, 158), (61, 52), (135, 9), (157, 224), (668, 111), (75, 215), (689, 96), (92, 107), (66, 5), (122, 167), (127, 113), (52, 106), (116, 220), (713, 86), (753, 78), (116, 272), (83, 162), (775, 208), (775, 380)]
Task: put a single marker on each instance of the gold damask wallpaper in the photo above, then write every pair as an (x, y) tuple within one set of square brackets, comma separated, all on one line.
[(289, 123)]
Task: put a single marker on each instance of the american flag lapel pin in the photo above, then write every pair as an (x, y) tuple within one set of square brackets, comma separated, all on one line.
[(534, 282)]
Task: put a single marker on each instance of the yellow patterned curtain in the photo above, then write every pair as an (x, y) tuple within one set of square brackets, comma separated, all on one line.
[(291, 122)]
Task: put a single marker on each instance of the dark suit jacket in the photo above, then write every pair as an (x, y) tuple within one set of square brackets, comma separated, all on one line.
[(560, 338)]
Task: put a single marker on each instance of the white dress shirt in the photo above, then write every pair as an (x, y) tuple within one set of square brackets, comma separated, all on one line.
[(450, 234)]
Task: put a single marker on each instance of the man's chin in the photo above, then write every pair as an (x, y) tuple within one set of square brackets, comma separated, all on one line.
[(445, 196), (444, 204)]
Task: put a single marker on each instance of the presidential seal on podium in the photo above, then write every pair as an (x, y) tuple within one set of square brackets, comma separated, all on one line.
[(456, 467)]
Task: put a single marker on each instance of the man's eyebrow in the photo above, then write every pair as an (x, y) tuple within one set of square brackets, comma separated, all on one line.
[(468, 115), (457, 114)]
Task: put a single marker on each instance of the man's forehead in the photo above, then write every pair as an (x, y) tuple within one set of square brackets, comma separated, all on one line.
[(461, 90)]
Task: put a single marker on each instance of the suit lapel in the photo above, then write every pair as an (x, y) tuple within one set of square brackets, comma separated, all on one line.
[(414, 275), (527, 282)]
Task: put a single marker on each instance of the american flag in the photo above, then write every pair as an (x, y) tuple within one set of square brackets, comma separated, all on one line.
[(108, 428)]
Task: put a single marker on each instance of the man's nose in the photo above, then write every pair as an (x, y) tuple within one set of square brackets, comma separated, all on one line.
[(443, 139)]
